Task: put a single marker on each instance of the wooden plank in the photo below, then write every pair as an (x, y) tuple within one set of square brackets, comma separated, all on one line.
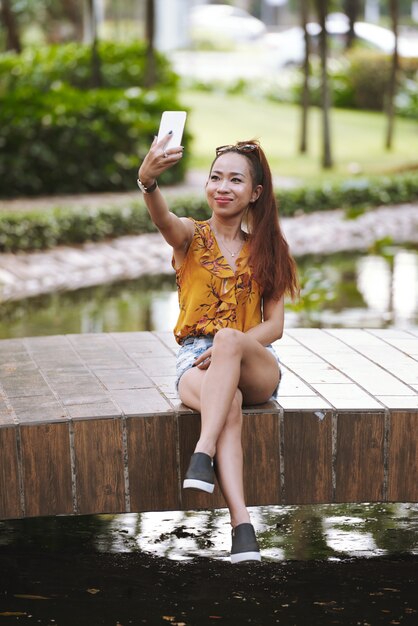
[(152, 463), (261, 445), (45, 450), (10, 506), (308, 457), (189, 428), (99, 466), (359, 465), (403, 457)]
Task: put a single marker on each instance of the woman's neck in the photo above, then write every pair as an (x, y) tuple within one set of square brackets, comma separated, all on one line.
[(228, 232)]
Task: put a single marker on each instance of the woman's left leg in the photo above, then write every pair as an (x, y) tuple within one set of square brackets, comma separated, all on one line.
[(229, 464)]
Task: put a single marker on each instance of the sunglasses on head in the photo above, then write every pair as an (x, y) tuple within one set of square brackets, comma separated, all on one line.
[(244, 148)]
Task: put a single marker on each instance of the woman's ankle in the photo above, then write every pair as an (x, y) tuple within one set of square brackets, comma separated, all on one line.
[(205, 449), (240, 518)]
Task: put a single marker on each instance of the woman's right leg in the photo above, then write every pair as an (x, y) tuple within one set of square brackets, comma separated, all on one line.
[(229, 457)]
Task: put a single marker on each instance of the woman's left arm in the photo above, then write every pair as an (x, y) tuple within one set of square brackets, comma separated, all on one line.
[(271, 328)]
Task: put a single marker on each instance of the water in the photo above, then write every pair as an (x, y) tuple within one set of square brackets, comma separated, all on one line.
[(339, 291), (332, 532)]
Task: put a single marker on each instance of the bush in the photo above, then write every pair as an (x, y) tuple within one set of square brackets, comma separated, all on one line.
[(351, 193), (69, 141), (123, 66), (368, 73), (43, 229), (59, 136)]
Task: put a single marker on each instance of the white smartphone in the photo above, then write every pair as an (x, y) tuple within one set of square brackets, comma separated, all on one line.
[(174, 121)]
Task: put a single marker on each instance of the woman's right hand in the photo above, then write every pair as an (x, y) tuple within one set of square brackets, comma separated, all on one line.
[(203, 361), (158, 160)]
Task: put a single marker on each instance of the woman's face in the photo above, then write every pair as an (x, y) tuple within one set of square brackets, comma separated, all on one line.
[(229, 189)]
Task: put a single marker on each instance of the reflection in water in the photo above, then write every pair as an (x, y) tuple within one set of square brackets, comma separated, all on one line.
[(389, 285), (338, 291), (285, 533)]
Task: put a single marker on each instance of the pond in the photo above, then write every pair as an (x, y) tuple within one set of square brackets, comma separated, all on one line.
[(332, 532), (347, 290)]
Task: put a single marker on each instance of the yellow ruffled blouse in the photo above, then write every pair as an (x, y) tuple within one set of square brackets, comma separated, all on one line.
[(211, 294)]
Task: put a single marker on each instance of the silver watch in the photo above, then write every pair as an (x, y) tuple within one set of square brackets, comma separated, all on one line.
[(149, 189)]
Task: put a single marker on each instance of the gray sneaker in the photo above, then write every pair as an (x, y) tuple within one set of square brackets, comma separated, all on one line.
[(200, 474), (244, 544)]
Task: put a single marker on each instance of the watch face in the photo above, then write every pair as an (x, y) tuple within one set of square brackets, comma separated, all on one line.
[(141, 186)]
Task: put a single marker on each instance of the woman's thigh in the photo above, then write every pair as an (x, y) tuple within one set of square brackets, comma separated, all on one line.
[(260, 372), (190, 385), (259, 376)]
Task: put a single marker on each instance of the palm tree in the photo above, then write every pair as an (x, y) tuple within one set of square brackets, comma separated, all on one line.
[(394, 13)]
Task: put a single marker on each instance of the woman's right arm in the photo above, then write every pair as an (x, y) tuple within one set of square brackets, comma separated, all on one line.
[(177, 231)]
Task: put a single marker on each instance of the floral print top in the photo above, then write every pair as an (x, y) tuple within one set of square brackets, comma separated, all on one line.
[(211, 294)]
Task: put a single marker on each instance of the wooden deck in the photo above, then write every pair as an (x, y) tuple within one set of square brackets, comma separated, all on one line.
[(92, 424)]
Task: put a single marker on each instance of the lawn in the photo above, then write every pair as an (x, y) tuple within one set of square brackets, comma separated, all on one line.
[(357, 137)]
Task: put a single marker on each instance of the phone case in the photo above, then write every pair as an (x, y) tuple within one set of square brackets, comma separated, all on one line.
[(174, 121)]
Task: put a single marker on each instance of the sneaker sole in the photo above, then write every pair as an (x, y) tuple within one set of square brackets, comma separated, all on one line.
[(192, 483), (242, 557)]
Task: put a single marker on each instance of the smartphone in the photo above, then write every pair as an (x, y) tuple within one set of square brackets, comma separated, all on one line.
[(174, 121)]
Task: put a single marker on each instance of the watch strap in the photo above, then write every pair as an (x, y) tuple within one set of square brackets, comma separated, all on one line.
[(145, 189)]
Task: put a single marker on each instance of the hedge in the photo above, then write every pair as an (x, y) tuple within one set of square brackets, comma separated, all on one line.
[(72, 141), (57, 135), (40, 230)]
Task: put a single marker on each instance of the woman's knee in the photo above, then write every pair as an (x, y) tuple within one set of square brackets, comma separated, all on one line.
[(229, 341)]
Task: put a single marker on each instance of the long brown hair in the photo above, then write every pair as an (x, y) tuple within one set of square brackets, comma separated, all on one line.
[(273, 266)]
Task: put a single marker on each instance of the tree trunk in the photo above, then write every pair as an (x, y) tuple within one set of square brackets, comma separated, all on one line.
[(322, 9), (90, 37), (150, 70), (72, 12), (10, 25), (303, 147), (394, 11), (351, 10)]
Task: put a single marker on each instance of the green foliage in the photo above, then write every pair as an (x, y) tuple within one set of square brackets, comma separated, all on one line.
[(357, 192), (72, 141), (122, 66), (43, 229), (368, 74)]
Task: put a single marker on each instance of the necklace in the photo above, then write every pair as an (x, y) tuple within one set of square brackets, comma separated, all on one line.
[(233, 254)]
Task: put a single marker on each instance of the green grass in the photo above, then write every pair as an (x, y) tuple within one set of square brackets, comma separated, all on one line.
[(357, 137)]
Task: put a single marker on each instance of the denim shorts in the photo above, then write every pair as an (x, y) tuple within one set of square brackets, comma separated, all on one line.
[(193, 347)]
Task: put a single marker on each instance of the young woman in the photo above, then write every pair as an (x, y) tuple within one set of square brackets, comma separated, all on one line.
[(232, 273)]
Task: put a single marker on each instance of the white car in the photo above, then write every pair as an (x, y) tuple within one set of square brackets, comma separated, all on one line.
[(288, 47), (223, 22)]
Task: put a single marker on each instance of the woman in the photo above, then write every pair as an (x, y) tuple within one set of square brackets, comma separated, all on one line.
[(232, 273)]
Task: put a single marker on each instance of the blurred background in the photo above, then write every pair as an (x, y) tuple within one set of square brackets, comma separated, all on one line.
[(122, 62), (329, 87)]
